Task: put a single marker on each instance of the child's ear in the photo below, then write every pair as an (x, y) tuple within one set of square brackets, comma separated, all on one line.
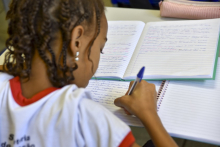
[(76, 39)]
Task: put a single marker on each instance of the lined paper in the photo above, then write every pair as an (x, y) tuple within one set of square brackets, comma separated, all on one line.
[(122, 40), (176, 49), (191, 109), (105, 92)]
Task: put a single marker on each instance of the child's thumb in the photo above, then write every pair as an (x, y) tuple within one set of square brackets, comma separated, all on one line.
[(121, 102)]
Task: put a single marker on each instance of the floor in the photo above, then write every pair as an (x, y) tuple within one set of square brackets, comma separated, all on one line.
[(140, 134)]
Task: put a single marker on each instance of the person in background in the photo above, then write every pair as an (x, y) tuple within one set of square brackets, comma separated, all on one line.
[(140, 4), (154, 4)]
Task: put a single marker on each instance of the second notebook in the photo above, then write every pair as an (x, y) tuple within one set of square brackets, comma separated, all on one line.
[(168, 50)]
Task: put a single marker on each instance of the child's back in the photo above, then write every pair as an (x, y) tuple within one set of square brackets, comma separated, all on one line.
[(64, 117)]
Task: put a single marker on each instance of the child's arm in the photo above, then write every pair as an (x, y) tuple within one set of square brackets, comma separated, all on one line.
[(142, 103), (158, 134)]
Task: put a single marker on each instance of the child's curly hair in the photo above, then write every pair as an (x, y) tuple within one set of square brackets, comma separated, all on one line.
[(33, 24)]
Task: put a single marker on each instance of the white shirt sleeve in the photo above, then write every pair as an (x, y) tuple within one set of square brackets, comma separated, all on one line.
[(4, 77), (100, 127)]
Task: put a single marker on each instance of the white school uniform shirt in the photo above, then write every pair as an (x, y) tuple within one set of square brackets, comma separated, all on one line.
[(65, 117)]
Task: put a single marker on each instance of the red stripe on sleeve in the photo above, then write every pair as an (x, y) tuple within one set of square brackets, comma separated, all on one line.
[(128, 140)]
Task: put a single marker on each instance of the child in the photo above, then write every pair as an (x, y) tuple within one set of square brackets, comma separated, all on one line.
[(57, 45)]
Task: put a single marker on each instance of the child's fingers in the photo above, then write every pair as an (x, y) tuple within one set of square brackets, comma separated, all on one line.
[(117, 102), (126, 111), (127, 92), (122, 101), (131, 83)]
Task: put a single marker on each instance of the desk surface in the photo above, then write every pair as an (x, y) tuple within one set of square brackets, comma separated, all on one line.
[(145, 16), (113, 13), (136, 14)]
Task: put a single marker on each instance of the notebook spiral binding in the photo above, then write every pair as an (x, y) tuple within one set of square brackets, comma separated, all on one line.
[(161, 93)]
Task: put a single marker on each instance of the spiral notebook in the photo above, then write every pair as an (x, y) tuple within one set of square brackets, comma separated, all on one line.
[(187, 109), (191, 109), (169, 50), (105, 92)]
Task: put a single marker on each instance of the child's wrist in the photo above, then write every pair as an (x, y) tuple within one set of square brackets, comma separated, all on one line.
[(148, 116)]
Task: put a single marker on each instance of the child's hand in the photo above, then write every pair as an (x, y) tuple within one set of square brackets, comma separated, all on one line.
[(142, 101)]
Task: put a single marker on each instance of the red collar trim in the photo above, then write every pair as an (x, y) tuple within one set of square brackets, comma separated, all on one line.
[(20, 99)]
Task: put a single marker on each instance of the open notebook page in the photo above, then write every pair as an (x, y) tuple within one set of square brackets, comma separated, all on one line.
[(122, 40), (191, 109), (176, 49), (105, 92)]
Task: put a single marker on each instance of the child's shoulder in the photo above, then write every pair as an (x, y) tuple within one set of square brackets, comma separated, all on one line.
[(95, 120), (79, 99), (5, 77), (4, 80), (90, 120)]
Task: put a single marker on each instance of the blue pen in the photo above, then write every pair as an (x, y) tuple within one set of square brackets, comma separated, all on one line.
[(138, 80)]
